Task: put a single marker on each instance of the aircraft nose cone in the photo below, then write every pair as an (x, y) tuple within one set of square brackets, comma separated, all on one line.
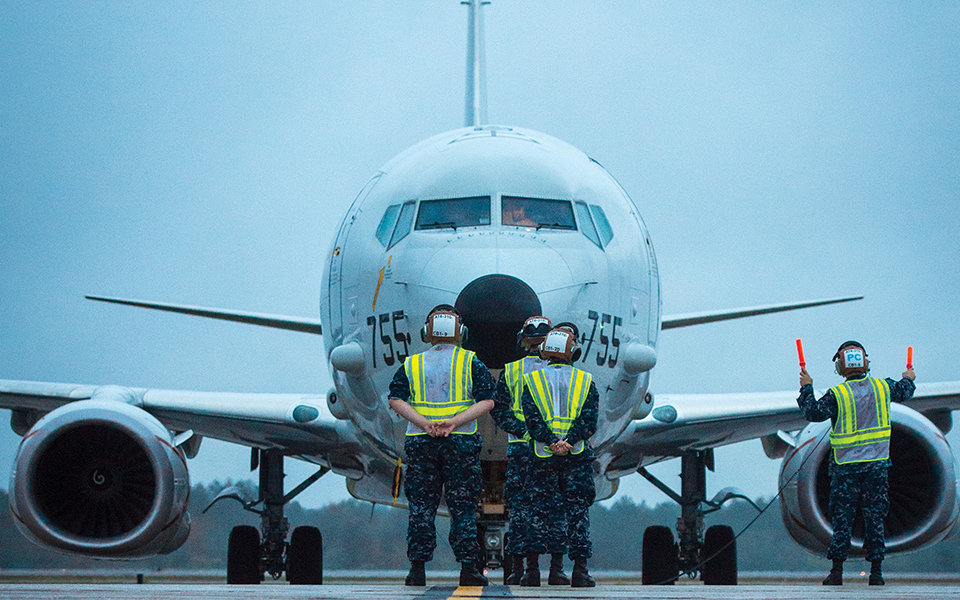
[(493, 308), (498, 286)]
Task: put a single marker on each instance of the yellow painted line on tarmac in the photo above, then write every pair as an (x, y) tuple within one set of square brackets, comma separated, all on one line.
[(467, 591)]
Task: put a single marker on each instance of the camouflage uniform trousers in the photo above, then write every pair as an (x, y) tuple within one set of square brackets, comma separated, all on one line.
[(571, 481), (517, 496), (869, 490), (448, 467)]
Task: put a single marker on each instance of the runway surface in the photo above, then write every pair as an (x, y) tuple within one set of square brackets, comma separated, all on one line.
[(383, 585), (398, 592)]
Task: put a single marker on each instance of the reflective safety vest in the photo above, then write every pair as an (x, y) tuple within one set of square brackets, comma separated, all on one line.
[(513, 376), (559, 391), (862, 432), (441, 385)]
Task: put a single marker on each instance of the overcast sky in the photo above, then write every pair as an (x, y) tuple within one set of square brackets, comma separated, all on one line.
[(204, 152)]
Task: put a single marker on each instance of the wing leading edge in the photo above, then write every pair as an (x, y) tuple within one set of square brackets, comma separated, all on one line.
[(688, 319), (299, 424), (302, 324), (681, 422)]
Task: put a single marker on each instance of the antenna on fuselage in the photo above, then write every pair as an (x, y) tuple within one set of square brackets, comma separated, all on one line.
[(475, 112)]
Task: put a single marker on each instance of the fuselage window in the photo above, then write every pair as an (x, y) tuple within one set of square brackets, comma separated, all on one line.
[(586, 223), (538, 213), (403, 222), (603, 225), (387, 223), (454, 213)]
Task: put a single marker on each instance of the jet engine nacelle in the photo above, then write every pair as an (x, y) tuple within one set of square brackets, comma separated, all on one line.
[(923, 487), (101, 478)]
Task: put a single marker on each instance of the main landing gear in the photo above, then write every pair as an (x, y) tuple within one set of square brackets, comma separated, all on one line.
[(250, 556), (713, 554)]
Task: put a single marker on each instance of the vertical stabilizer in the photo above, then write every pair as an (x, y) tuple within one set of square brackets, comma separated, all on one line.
[(475, 112)]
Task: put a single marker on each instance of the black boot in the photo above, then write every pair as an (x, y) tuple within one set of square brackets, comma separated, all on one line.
[(471, 574), (557, 576), (531, 577), (513, 578), (581, 577), (876, 576), (836, 574), (417, 576)]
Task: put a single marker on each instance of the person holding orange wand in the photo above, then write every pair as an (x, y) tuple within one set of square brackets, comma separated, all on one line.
[(859, 409)]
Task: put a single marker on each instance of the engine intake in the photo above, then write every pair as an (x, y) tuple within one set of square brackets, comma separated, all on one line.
[(101, 478), (923, 487)]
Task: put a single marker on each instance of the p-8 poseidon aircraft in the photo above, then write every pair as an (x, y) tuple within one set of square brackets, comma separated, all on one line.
[(503, 223)]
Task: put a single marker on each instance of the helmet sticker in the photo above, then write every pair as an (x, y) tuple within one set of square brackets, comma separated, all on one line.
[(556, 342), (444, 325), (853, 358)]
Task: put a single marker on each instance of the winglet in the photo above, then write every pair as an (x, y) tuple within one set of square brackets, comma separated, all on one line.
[(685, 320), (304, 325)]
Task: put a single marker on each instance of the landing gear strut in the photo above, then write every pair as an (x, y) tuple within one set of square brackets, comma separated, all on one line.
[(714, 554), (248, 556)]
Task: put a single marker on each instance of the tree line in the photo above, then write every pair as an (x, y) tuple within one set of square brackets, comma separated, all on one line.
[(359, 535)]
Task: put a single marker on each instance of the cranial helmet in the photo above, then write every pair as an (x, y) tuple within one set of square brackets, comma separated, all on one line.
[(533, 332), (561, 344), (851, 359), (443, 326)]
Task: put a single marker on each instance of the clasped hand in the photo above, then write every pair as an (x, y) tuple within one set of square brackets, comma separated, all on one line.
[(560, 448), (441, 428)]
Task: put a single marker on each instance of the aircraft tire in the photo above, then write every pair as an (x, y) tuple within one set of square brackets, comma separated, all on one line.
[(305, 557), (721, 569), (659, 556), (243, 556)]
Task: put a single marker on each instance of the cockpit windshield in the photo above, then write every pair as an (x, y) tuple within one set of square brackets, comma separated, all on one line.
[(538, 213), (454, 213)]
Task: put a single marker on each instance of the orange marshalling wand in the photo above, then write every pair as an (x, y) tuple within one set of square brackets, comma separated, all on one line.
[(803, 363), (909, 357)]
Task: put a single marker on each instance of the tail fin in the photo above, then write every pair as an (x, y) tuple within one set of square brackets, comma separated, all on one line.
[(475, 111)]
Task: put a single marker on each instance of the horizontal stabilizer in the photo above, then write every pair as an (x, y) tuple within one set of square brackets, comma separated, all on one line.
[(685, 320), (305, 325)]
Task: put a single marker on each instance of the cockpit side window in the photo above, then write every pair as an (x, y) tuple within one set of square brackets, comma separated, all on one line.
[(603, 225), (454, 213), (537, 212), (586, 223), (404, 221), (387, 223)]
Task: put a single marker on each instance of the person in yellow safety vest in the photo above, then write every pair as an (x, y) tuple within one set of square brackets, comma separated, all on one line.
[(508, 415), (860, 442), (440, 393), (560, 408)]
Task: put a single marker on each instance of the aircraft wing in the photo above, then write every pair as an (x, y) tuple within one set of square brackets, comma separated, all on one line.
[(682, 422), (688, 319), (303, 324), (299, 424)]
